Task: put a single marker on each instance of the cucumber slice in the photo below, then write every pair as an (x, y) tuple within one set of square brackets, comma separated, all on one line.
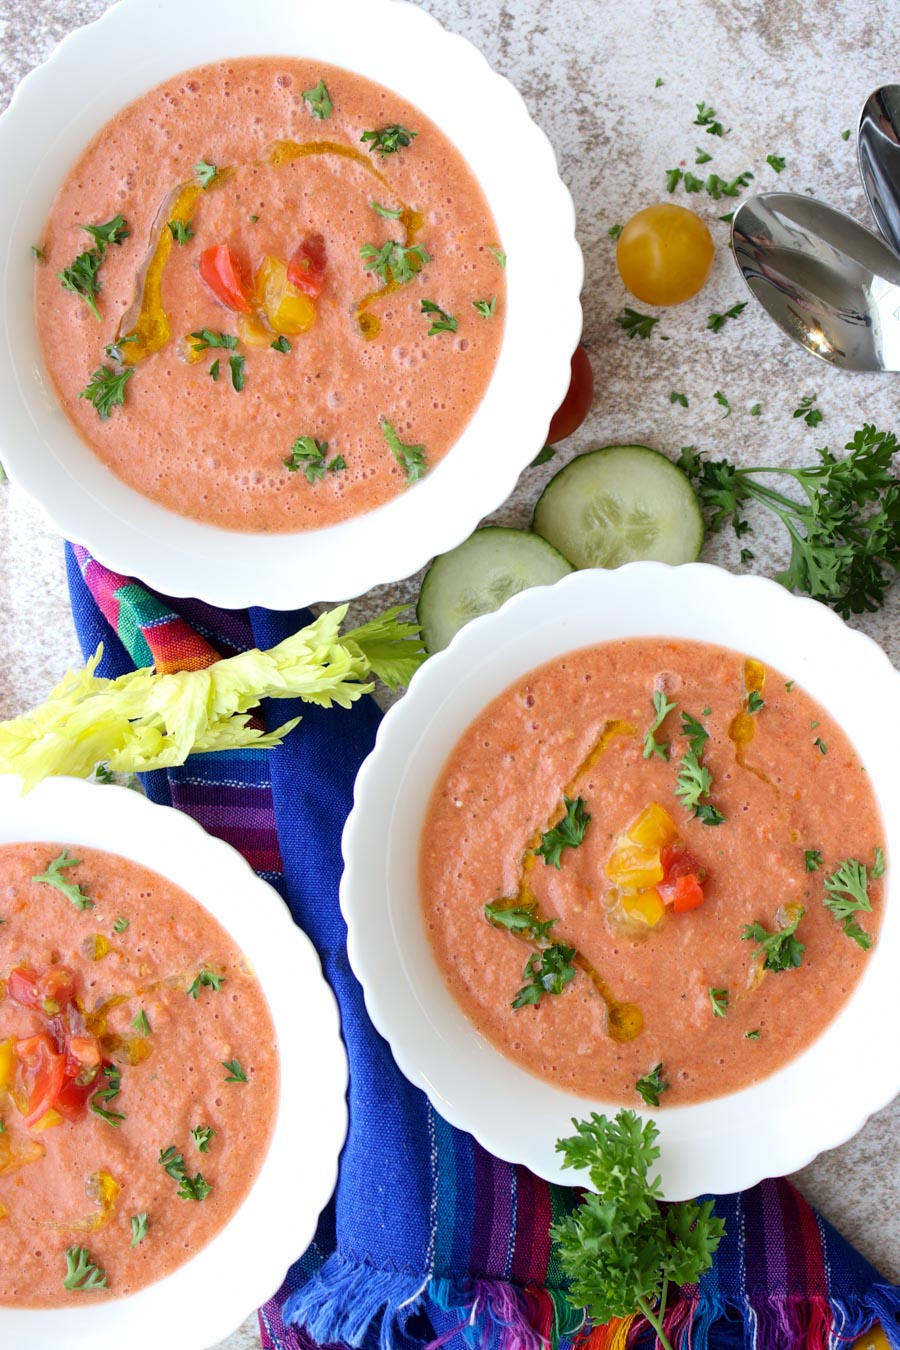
[(476, 578), (621, 504)]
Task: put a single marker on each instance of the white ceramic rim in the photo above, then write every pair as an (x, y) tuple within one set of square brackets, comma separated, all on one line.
[(211, 1294), (138, 43), (777, 1126)]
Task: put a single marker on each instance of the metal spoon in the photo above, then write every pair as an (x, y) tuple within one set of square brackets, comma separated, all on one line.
[(827, 282), (878, 149)]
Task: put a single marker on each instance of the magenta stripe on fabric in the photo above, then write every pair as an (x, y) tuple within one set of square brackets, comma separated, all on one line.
[(484, 1188)]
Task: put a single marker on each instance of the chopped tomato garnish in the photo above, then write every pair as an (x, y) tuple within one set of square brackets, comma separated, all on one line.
[(223, 273), (678, 862), (22, 987), (72, 1098), (306, 269), (684, 893), (47, 993), (45, 1072)]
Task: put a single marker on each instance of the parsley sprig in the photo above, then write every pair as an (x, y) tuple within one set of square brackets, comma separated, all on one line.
[(320, 104), (395, 261), (568, 833), (189, 1188), (845, 535), (651, 1085), (706, 117), (309, 455), (106, 389), (518, 919), (389, 140), (205, 979), (621, 1248), (235, 1072), (113, 1076), (409, 457), (636, 324), (808, 411), (847, 894), (547, 972), (82, 277), (138, 1229), (82, 1274), (113, 231), (694, 779), (716, 322), (662, 708), (181, 231), (781, 949), (54, 876), (443, 323)]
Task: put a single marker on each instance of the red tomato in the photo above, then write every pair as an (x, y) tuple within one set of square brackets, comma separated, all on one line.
[(688, 894), (44, 1075), (223, 273), (48, 993), (72, 1098), (677, 862), (577, 403), (306, 270), (22, 987), (683, 876)]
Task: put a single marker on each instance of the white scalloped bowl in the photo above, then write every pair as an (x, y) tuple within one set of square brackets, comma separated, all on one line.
[(137, 44), (206, 1298), (818, 1100)]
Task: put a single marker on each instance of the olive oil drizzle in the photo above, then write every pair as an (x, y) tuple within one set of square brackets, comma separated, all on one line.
[(742, 727), (144, 328), (624, 1021)]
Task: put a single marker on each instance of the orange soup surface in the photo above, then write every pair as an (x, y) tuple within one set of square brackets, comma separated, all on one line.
[(138, 1076), (651, 871), (333, 254)]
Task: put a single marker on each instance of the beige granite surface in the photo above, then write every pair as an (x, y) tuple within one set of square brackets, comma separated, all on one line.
[(787, 79)]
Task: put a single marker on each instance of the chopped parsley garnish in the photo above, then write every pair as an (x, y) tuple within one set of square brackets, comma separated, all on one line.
[(253, 219), (614, 231), (486, 307), (636, 324), (394, 261), (111, 232), (106, 389), (235, 1072), (659, 83), (846, 894), (718, 187), (501, 256), (188, 1188), (113, 1077), (113, 350), (706, 117), (214, 369), (876, 871), (37, 253), (388, 140), (138, 1229), (386, 211), (775, 162), (673, 178), (755, 701), (678, 398), (651, 1085), (2, 1128), (543, 457), (203, 1137), (309, 455), (728, 217), (141, 1024), (547, 972), (789, 685), (781, 949), (696, 733), (236, 365), (721, 399), (54, 877), (845, 135), (820, 745), (812, 859), (756, 410), (82, 1275), (181, 231), (444, 323), (692, 183), (409, 457), (120, 925), (716, 322), (320, 104), (811, 415), (82, 278), (205, 979), (662, 708), (694, 780), (719, 1000), (518, 919), (568, 833), (172, 1161), (205, 173), (752, 1035), (280, 344), (703, 156)]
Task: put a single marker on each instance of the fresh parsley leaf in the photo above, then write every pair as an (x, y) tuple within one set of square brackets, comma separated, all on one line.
[(280, 344), (2, 1128), (756, 410), (173, 1162), (811, 415), (846, 894), (214, 370), (781, 949), (651, 1085), (696, 733), (721, 399), (678, 398), (614, 231), (775, 162), (193, 1189), (388, 140), (703, 156), (337, 464), (568, 833), (235, 1072), (385, 211), (755, 701), (728, 217), (662, 708), (37, 253), (236, 364), (444, 323), (82, 278), (543, 456), (308, 454), (82, 1275), (636, 324), (752, 1035), (205, 173), (54, 876), (181, 231), (716, 322), (747, 555), (812, 859), (141, 1023), (719, 187), (547, 972), (518, 919), (708, 814), (845, 135), (394, 261), (876, 871), (111, 232), (719, 1000), (203, 1137), (409, 457), (106, 389), (820, 745), (486, 307), (694, 780), (205, 338), (253, 219), (706, 117), (320, 104), (188, 1188), (138, 1229), (205, 979), (120, 925), (659, 83), (692, 183), (501, 256), (673, 178)]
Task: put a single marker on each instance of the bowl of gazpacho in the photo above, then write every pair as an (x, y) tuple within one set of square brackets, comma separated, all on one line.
[(269, 293), (629, 842), (164, 1027)]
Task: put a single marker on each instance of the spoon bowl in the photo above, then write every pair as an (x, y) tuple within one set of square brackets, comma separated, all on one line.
[(827, 282), (878, 149)]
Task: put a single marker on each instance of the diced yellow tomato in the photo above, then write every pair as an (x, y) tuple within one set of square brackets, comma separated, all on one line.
[(288, 310), (633, 867), (252, 333), (47, 1121), (7, 1065), (645, 905), (654, 828)]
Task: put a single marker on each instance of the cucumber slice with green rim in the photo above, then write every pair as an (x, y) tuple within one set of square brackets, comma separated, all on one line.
[(476, 578), (624, 503)]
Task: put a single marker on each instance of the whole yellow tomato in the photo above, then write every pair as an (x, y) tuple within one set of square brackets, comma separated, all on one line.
[(664, 254)]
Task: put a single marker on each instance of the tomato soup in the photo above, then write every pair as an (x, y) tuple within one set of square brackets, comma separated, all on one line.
[(652, 870), (138, 1076), (333, 257)]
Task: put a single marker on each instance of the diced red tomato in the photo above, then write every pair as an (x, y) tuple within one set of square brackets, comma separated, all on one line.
[(72, 1098), (678, 862), (577, 403), (682, 884), (223, 272), (22, 987), (48, 993), (45, 1072), (306, 269)]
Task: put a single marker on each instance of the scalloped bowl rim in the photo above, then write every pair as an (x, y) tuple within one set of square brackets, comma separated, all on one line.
[(208, 1297), (817, 1101), (59, 106)]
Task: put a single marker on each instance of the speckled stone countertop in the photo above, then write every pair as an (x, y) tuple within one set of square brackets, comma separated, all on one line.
[(786, 79)]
